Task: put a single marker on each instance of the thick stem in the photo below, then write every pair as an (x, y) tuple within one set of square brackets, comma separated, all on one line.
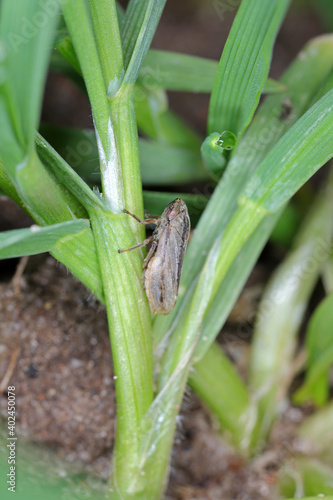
[(130, 335), (126, 137)]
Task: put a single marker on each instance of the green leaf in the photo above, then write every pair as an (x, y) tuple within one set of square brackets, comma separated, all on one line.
[(303, 80), (308, 475), (64, 45), (281, 313), (65, 174), (157, 122), (27, 30), (175, 71), (319, 346), (151, 108), (34, 240), (294, 159), (316, 431), (145, 15), (183, 72), (244, 65), (273, 87), (232, 285)]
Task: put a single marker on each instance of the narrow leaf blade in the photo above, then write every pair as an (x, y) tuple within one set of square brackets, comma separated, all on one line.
[(244, 65), (35, 239), (319, 345)]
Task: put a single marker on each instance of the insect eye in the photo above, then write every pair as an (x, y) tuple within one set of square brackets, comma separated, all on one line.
[(172, 214)]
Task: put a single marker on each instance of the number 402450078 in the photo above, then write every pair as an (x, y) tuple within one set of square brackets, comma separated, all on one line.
[(163, 264)]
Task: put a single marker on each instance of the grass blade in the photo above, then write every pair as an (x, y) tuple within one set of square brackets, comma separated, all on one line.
[(316, 431), (34, 240), (307, 475), (281, 313), (150, 19), (131, 23), (183, 72), (129, 321), (295, 158), (27, 40), (174, 71), (65, 174), (244, 65), (303, 80), (219, 386), (318, 342)]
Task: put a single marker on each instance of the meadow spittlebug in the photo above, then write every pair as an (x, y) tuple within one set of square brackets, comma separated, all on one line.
[(163, 264)]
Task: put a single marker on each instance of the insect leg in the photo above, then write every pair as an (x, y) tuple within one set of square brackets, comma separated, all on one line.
[(150, 253), (145, 242), (150, 216), (144, 222)]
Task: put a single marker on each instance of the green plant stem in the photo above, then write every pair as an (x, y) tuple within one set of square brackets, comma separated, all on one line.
[(149, 12), (79, 23), (125, 128), (161, 418), (217, 383), (281, 312), (130, 335), (233, 393), (241, 226), (305, 476), (106, 30), (114, 118), (8, 187), (317, 433), (121, 105)]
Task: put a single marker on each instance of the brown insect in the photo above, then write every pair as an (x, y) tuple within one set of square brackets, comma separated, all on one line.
[(163, 264)]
